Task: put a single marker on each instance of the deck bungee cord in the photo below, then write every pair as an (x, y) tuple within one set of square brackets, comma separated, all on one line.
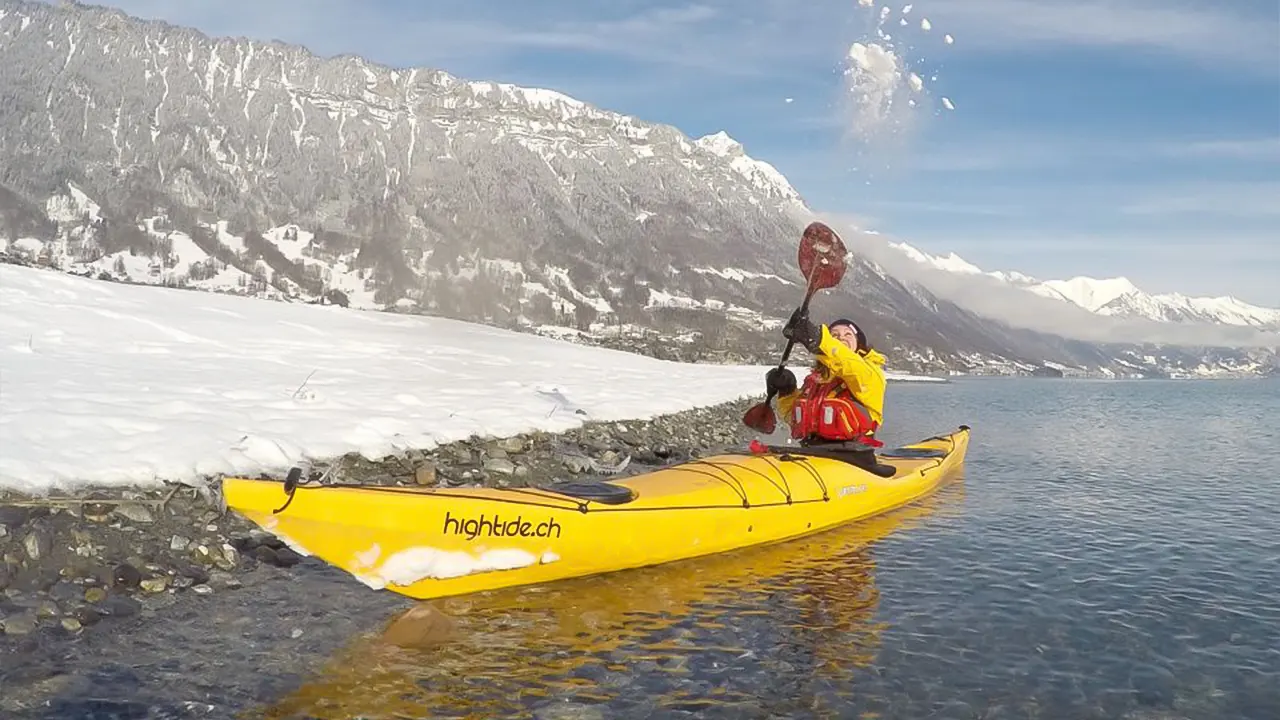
[(559, 500)]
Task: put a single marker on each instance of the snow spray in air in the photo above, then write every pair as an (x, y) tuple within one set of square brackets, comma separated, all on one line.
[(882, 94)]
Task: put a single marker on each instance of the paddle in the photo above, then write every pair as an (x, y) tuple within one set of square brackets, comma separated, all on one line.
[(821, 259)]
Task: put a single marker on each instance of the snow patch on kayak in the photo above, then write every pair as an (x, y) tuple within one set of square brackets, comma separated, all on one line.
[(368, 558), (409, 566)]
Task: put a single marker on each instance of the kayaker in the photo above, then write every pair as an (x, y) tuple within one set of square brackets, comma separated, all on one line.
[(841, 403)]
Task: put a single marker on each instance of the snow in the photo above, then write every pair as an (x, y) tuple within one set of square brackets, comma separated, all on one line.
[(113, 384), (950, 263), (881, 88), (419, 563), (872, 76), (1091, 294), (740, 275), (291, 240), (719, 143), (1117, 296), (72, 208), (27, 245), (761, 174)]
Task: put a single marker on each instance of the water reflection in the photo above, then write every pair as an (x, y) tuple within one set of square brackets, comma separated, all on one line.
[(756, 633)]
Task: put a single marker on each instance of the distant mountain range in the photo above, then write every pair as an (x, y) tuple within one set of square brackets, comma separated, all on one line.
[(138, 151), (1115, 297)]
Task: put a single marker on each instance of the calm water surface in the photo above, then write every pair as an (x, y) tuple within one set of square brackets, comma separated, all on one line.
[(1112, 551)]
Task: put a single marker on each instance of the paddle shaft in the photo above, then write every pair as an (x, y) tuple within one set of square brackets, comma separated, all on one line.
[(809, 292), (821, 259)]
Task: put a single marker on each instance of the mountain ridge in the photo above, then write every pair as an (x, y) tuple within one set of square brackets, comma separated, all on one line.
[(1114, 296), (145, 152)]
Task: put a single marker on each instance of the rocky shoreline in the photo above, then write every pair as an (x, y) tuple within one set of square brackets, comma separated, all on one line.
[(69, 564)]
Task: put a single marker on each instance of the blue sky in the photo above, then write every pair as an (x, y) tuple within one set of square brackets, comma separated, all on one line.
[(1095, 137)]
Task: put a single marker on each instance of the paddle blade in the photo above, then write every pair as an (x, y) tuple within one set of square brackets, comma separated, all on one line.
[(822, 254), (760, 418)]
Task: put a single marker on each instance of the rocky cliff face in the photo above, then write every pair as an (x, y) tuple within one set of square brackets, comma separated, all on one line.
[(145, 152)]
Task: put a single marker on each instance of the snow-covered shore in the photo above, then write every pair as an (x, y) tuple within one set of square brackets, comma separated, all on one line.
[(113, 384)]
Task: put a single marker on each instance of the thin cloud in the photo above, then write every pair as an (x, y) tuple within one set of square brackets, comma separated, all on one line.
[(1217, 35), (943, 208), (1005, 152), (1241, 246), (1228, 199), (977, 154), (1265, 149)]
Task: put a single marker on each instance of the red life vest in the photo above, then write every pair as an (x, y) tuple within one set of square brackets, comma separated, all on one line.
[(837, 417)]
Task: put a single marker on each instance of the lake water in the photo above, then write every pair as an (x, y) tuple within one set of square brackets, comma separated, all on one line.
[(1112, 551)]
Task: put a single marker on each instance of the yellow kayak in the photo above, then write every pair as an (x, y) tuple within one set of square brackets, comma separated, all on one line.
[(436, 542), (828, 579)]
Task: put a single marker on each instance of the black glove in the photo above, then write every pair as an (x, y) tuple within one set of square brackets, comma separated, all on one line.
[(802, 331), (797, 316), (780, 381)]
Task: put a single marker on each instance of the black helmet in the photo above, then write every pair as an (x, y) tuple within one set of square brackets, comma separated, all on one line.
[(863, 346)]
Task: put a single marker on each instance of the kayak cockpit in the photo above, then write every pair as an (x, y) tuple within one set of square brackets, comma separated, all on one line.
[(596, 491)]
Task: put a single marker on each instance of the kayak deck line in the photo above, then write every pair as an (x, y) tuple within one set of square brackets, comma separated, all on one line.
[(585, 504), (562, 501), (441, 541)]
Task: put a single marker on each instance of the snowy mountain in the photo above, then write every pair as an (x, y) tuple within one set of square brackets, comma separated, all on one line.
[(1116, 297), (152, 153), (142, 152)]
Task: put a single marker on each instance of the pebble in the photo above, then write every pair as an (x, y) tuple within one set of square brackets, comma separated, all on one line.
[(425, 474), (499, 465), (36, 544), (135, 513), (87, 615), (21, 624), (576, 463), (12, 515), (126, 575), (155, 585), (512, 444)]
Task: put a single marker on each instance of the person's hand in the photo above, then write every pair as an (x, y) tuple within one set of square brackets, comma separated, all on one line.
[(800, 330), (798, 316), (780, 381)]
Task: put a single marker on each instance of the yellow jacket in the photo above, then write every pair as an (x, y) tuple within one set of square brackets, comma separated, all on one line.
[(862, 374)]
